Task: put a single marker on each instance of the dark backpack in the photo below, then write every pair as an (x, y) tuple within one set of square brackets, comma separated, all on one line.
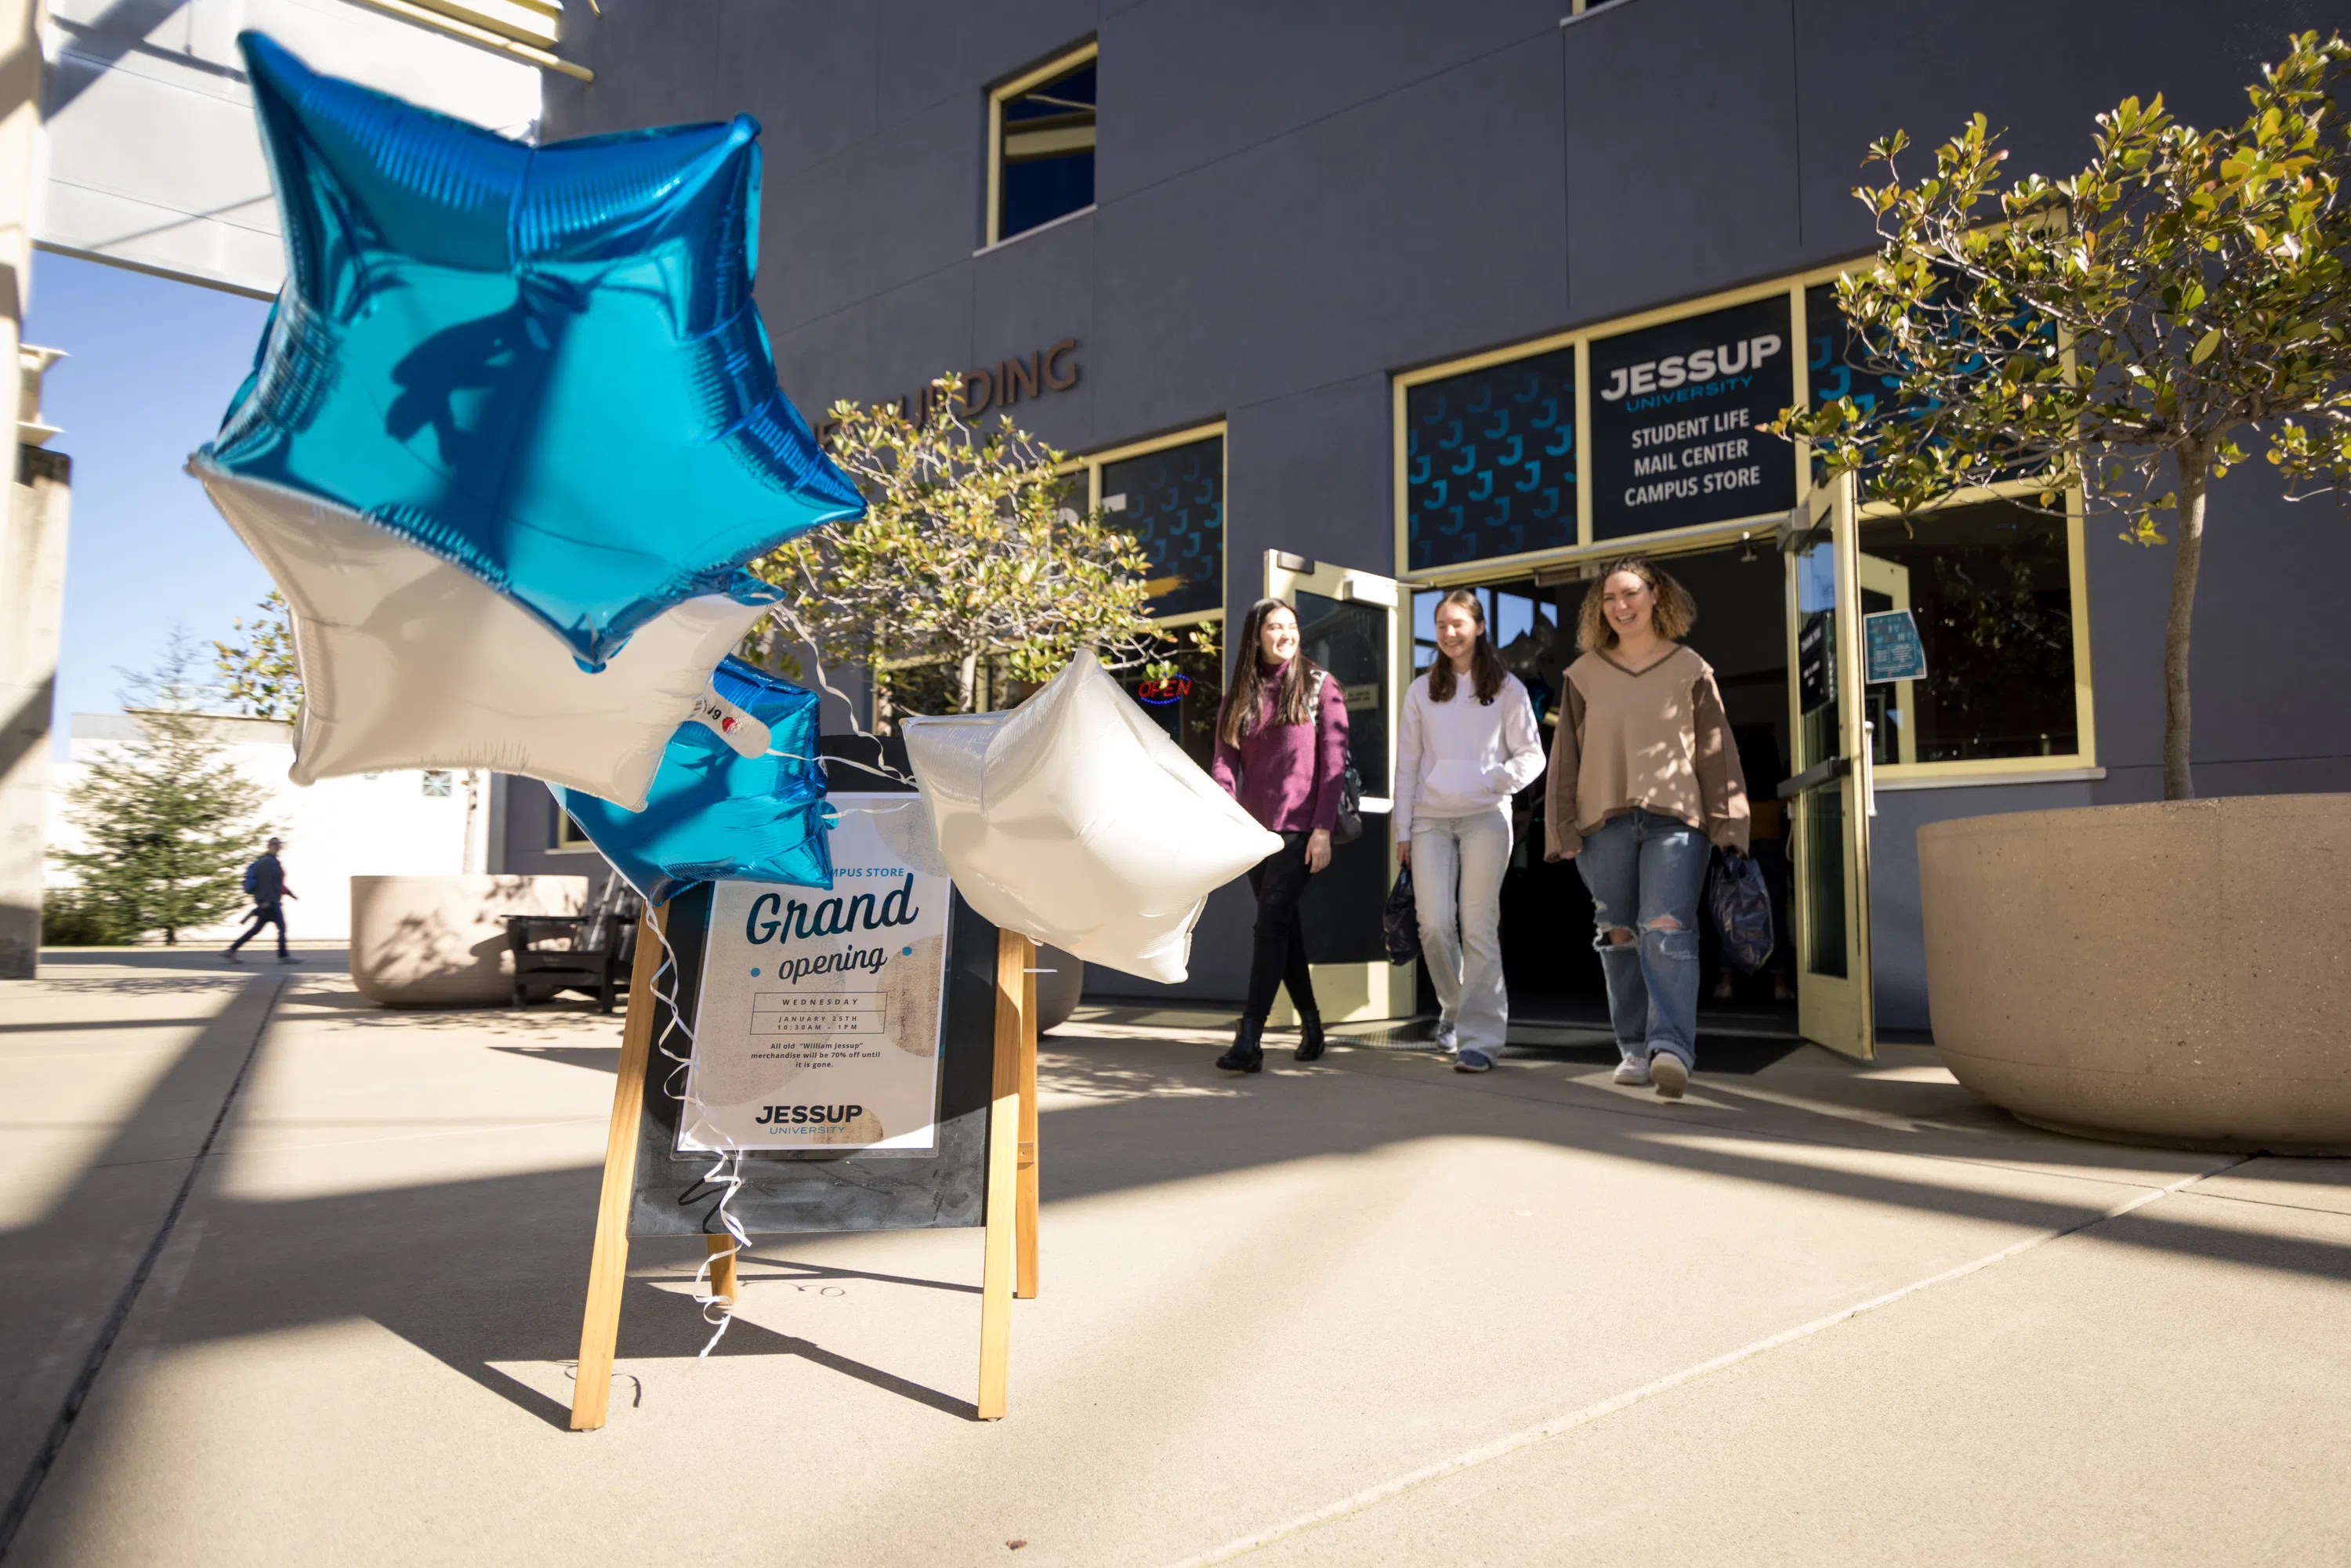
[(252, 878)]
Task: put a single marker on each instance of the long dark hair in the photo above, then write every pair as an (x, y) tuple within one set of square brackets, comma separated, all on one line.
[(1245, 693), (1486, 670)]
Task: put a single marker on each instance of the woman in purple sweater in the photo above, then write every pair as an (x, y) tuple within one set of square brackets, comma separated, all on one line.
[(1281, 752)]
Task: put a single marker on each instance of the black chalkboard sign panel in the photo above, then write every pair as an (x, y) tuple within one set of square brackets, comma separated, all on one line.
[(864, 1190), (1678, 417)]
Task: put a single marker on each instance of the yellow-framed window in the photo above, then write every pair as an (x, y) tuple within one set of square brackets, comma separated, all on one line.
[(1169, 492), (1994, 581), (568, 834), (1041, 145)]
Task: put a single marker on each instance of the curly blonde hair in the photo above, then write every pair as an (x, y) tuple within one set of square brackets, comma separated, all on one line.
[(1675, 614)]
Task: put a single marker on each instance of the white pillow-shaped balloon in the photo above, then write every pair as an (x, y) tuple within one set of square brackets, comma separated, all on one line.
[(1076, 821), (408, 662)]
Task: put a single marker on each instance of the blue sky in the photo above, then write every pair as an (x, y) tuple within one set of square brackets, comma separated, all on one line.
[(152, 365)]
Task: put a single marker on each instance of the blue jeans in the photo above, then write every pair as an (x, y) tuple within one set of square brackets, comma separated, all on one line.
[(1644, 869)]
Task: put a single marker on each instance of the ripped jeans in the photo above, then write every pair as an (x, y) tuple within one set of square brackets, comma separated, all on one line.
[(1652, 868)]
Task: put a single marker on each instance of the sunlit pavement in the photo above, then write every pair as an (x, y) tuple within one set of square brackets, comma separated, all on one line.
[(1365, 1312)]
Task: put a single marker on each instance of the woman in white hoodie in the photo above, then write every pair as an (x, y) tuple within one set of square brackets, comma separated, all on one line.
[(1467, 744)]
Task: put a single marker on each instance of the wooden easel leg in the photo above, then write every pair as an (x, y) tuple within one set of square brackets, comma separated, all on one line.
[(996, 1269), (608, 1269), (723, 1259), (1024, 1206)]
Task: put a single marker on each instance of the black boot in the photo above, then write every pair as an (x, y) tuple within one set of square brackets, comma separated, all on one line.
[(1309, 1037), (1247, 1055)]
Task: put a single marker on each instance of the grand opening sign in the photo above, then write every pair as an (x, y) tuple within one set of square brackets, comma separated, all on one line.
[(1678, 417), (819, 1024)]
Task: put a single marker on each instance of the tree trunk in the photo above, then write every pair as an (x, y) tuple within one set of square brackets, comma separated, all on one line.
[(966, 681), (2179, 778)]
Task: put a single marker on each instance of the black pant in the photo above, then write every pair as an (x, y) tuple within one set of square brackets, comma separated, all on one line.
[(1280, 955), (264, 914)]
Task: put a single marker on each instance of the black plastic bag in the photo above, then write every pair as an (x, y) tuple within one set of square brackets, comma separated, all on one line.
[(1400, 921), (1741, 908)]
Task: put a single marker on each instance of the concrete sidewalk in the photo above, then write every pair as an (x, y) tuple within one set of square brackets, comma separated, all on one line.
[(1365, 1312)]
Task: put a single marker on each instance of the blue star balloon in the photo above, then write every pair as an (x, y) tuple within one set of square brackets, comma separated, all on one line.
[(540, 364), (738, 796)]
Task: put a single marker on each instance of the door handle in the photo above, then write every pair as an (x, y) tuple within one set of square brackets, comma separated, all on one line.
[(1812, 778)]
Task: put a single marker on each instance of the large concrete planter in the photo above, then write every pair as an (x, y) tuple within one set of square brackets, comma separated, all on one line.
[(1058, 991), (2176, 974), (441, 941)]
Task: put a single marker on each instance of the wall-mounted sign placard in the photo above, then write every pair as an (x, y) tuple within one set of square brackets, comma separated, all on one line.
[(1816, 661), (1678, 417), (818, 1026), (1891, 648)]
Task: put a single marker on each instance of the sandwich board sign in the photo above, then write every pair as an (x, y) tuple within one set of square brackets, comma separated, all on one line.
[(869, 1050)]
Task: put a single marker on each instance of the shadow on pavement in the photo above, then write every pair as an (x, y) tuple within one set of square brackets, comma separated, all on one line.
[(479, 1272)]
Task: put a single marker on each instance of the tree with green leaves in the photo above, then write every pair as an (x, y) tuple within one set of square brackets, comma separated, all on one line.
[(969, 558), (168, 820), (257, 672), (2123, 330)]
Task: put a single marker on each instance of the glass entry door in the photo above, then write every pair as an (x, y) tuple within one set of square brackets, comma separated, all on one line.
[(1350, 623), (1829, 794)]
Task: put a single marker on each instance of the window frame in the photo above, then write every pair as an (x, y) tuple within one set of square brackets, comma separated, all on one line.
[(569, 838), (1587, 552), (1092, 463), (992, 219)]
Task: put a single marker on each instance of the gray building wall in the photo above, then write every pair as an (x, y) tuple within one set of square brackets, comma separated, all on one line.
[(1295, 201)]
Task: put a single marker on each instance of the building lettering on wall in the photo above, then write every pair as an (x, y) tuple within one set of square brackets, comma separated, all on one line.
[(1678, 417), (1002, 385)]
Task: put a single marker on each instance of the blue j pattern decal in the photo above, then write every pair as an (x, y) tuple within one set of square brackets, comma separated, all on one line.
[(1506, 481)]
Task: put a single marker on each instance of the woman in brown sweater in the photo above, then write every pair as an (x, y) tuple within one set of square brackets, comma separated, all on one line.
[(1643, 775)]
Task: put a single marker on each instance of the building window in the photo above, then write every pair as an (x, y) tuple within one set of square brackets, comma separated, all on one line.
[(437, 783), (1183, 703), (1041, 152), (1170, 494), (568, 833), (1992, 590), (1173, 501), (1490, 462)]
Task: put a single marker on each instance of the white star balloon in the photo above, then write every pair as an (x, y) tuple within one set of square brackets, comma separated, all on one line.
[(1076, 821), (408, 661)]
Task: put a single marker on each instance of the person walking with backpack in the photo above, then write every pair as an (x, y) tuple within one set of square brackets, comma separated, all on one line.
[(1466, 742), (1644, 773), (264, 884), (1281, 752)]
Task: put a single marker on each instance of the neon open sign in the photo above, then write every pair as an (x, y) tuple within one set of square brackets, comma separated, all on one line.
[(1165, 689)]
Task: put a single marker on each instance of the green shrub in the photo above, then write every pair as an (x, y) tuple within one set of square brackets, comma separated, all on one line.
[(70, 917)]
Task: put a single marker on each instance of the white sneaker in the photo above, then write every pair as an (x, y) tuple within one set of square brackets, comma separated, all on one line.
[(1633, 1073), (1449, 1039), (1670, 1075)]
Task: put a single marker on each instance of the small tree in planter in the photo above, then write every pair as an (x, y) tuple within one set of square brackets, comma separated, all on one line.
[(970, 555), (2123, 330)]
